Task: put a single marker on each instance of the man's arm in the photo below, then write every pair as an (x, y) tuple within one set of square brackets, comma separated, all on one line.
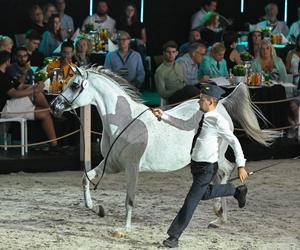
[(188, 125), (28, 91)]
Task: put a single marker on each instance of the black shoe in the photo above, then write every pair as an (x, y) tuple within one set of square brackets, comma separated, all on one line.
[(171, 242), (240, 195), (56, 149)]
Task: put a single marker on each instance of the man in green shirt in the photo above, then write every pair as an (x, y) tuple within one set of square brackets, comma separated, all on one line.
[(169, 77)]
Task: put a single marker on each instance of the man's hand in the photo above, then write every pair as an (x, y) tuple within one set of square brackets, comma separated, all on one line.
[(157, 112), (242, 173)]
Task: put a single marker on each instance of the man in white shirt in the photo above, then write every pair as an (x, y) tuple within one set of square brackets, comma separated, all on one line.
[(101, 20), (295, 29), (278, 27), (204, 157), (197, 18)]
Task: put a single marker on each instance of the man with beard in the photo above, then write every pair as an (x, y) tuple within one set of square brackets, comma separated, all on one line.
[(21, 70), (101, 20)]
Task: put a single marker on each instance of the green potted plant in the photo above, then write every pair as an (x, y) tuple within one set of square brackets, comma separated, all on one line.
[(246, 56), (239, 71)]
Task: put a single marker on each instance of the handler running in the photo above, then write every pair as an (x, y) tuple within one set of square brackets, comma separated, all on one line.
[(204, 154)]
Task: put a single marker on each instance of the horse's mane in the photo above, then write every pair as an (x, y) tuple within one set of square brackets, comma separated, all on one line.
[(132, 91)]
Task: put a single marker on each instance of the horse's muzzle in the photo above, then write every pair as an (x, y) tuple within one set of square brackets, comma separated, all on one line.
[(58, 106)]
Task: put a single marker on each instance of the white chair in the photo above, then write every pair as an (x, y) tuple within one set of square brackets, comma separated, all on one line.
[(23, 131)]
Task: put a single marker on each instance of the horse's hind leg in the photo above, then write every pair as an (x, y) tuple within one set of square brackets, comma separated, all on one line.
[(132, 179), (87, 177)]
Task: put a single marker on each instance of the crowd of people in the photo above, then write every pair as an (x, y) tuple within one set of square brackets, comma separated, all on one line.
[(211, 50)]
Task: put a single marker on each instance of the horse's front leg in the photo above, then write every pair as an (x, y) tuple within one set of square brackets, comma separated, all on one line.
[(87, 177), (132, 178)]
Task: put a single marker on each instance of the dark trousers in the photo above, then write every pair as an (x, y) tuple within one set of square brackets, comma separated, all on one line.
[(201, 189)]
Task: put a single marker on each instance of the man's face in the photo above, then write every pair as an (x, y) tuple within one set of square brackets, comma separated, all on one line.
[(272, 11), (212, 6), (218, 56), (197, 55), (256, 38), (37, 16), (204, 103), (102, 8), (60, 5), (67, 53), (22, 57), (124, 42), (195, 36), (170, 54), (32, 45)]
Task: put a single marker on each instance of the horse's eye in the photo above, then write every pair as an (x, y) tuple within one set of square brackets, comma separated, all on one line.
[(75, 85)]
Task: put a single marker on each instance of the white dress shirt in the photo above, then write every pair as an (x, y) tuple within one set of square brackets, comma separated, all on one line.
[(109, 23), (279, 28), (294, 30), (214, 126)]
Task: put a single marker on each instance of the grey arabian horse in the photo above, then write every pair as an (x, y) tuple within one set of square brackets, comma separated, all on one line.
[(148, 144)]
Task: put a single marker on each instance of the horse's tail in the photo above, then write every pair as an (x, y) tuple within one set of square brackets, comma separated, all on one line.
[(240, 108)]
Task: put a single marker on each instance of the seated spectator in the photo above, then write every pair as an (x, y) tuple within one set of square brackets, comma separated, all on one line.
[(32, 43), (64, 62), (83, 49), (269, 63), (18, 97), (37, 19), (209, 35), (293, 58), (254, 39), (278, 27), (295, 29), (101, 20), (51, 38), (195, 36), (21, 70), (190, 63), (198, 18), (169, 77), (66, 21), (126, 62), (6, 43), (49, 9), (214, 64), (231, 56)]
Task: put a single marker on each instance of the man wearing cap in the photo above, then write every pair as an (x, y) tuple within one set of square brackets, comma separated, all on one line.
[(204, 157)]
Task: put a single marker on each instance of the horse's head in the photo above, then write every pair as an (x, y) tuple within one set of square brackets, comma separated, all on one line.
[(74, 94)]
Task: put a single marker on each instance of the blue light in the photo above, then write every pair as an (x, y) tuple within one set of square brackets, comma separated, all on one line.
[(285, 10), (142, 11), (242, 6), (91, 8)]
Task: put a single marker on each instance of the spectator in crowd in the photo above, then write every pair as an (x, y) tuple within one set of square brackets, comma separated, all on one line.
[(254, 39), (49, 9), (293, 62), (18, 97), (190, 63), (101, 20), (295, 28), (126, 62), (278, 27), (194, 36), (51, 38), (66, 21), (6, 43), (231, 56), (21, 70), (198, 18), (269, 63), (64, 62), (169, 77), (37, 19), (214, 64), (83, 49), (129, 22), (209, 35), (32, 43)]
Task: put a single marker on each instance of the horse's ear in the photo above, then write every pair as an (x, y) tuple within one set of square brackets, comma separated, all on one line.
[(75, 69)]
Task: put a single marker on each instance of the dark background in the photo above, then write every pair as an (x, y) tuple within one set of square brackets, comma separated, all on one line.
[(164, 19)]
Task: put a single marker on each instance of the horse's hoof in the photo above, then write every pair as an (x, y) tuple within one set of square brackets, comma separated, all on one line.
[(212, 225), (100, 211)]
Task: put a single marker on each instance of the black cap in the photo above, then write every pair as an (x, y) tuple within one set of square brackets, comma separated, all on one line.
[(212, 90)]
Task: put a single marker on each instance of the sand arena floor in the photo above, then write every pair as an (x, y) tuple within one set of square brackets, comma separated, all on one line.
[(46, 211)]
